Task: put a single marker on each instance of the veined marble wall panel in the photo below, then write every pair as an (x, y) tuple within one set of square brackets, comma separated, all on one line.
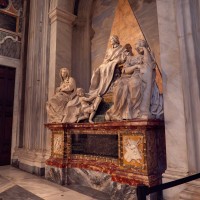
[(96, 180), (10, 45), (103, 16), (102, 182)]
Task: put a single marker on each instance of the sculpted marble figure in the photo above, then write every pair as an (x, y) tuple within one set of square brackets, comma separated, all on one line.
[(56, 106), (132, 151), (136, 94), (103, 75), (87, 107)]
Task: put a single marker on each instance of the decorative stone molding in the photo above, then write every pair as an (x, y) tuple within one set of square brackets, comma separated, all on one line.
[(62, 16), (14, 39)]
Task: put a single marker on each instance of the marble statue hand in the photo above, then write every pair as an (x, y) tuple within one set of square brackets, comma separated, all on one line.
[(130, 70)]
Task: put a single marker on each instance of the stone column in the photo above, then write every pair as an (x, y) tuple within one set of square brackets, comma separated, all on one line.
[(177, 31), (61, 20), (32, 156)]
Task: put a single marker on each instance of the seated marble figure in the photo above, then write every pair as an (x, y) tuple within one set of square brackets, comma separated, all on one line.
[(103, 75), (64, 93), (136, 94)]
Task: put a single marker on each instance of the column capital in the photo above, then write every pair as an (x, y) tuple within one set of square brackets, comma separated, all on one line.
[(62, 16)]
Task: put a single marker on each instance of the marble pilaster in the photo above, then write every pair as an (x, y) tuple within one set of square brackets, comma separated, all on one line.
[(172, 81), (181, 91), (176, 147), (34, 142), (188, 33)]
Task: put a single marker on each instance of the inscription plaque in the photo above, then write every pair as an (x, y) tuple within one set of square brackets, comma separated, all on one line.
[(96, 145)]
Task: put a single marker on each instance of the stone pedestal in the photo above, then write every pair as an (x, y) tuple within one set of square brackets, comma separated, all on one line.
[(107, 156)]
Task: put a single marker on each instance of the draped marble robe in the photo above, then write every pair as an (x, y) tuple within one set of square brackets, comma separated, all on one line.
[(136, 94), (127, 92), (57, 104), (102, 76)]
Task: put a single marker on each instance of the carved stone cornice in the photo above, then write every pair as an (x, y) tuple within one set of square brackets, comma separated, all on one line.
[(62, 16)]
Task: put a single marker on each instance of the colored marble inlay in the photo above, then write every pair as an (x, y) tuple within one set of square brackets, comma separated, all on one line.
[(133, 153), (58, 143)]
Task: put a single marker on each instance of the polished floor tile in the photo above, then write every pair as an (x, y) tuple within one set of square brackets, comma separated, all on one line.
[(18, 193), (16, 184)]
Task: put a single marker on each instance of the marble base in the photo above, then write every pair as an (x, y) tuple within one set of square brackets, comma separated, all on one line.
[(96, 180), (101, 182), (173, 193), (104, 183), (192, 191), (31, 169), (15, 163), (55, 174)]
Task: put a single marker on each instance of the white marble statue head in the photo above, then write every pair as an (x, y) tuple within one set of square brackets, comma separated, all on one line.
[(64, 73), (80, 92), (139, 45), (128, 49), (114, 40)]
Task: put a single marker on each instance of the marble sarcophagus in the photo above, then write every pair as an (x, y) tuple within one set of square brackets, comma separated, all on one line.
[(128, 152)]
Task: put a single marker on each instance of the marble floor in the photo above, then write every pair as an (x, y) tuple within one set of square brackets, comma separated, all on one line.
[(19, 185)]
